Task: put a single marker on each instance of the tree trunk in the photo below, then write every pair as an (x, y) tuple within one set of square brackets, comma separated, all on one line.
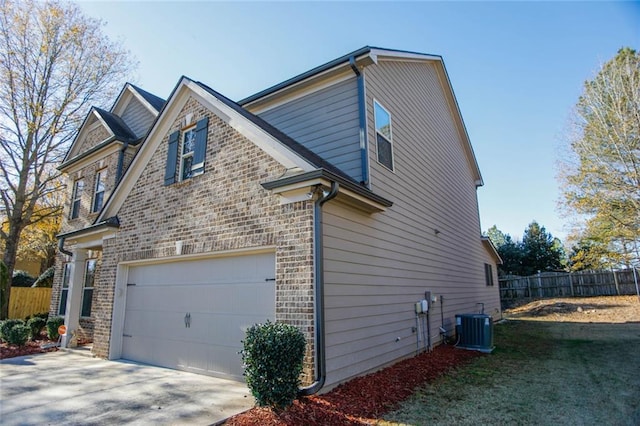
[(9, 259)]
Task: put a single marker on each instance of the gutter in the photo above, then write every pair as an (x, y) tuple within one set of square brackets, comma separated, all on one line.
[(61, 248), (364, 145), (112, 222), (125, 145), (321, 373), (323, 173)]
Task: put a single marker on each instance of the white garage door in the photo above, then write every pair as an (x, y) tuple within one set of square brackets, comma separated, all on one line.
[(193, 315)]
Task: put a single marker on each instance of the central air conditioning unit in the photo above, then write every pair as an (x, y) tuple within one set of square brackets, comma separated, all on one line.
[(475, 332)]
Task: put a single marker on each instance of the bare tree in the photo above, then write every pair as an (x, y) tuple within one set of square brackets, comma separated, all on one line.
[(55, 63), (601, 180)]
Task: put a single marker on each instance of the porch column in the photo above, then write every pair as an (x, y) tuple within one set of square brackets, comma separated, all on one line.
[(74, 295)]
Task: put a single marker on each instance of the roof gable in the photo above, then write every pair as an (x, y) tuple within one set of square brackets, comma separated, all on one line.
[(283, 149), (91, 121), (369, 56), (111, 120)]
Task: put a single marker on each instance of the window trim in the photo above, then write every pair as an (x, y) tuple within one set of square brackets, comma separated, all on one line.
[(389, 139), (76, 198), (64, 289), (100, 178), (85, 288)]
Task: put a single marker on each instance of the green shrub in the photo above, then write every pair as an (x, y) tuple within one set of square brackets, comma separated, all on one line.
[(36, 324), (43, 315), (52, 327), (18, 334), (22, 279), (272, 355), (6, 326)]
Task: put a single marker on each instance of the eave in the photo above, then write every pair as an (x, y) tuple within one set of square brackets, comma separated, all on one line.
[(297, 188), (103, 149), (92, 235), (491, 249)]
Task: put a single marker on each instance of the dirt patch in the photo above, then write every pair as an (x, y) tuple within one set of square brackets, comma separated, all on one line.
[(604, 309), (363, 399)]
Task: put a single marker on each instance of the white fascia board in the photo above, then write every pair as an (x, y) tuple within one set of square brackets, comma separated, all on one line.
[(142, 100), (381, 53), (302, 191), (93, 238), (93, 157)]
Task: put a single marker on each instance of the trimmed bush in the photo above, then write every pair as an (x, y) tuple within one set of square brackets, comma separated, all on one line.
[(272, 355), (36, 324), (6, 326), (18, 334), (52, 327)]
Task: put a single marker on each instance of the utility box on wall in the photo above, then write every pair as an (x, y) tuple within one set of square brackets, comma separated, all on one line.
[(475, 332)]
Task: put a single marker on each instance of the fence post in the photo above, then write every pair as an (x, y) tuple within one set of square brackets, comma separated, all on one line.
[(615, 280), (571, 284), (539, 285)]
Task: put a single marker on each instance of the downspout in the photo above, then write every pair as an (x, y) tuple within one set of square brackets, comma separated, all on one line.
[(364, 145), (125, 145), (321, 373), (61, 248)]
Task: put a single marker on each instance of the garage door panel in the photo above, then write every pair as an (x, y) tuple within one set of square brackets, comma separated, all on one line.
[(224, 297)]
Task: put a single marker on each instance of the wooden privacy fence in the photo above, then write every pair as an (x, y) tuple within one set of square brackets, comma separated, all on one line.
[(27, 301), (556, 284)]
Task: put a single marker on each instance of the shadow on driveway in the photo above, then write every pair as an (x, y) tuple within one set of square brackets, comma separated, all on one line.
[(65, 387)]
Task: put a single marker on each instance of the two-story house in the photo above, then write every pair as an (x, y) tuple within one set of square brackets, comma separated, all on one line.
[(332, 201)]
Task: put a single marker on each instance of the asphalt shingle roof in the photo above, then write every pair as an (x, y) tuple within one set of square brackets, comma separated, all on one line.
[(154, 100), (117, 125)]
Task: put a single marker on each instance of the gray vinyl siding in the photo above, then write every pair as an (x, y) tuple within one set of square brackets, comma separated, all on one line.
[(138, 118), (377, 266), (326, 122)]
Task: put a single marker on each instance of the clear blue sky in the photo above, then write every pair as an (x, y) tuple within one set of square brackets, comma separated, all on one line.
[(517, 68)]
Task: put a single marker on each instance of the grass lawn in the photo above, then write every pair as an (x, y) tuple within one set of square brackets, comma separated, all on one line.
[(541, 373)]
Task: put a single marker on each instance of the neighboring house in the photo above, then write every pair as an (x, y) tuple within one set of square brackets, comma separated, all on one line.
[(332, 201)]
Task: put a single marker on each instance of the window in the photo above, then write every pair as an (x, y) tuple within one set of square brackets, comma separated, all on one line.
[(87, 288), (76, 198), (186, 153), (383, 135), (488, 273), (98, 193), (64, 292)]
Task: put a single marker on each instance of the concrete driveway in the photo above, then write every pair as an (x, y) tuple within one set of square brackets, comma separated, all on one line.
[(68, 388)]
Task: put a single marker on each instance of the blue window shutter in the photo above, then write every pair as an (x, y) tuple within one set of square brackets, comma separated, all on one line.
[(172, 159), (201, 145)]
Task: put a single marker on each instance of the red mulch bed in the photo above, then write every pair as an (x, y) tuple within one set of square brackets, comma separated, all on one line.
[(30, 348), (363, 399)]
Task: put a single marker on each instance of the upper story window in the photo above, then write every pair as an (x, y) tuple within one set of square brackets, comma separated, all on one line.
[(186, 156), (99, 189), (186, 153), (384, 140), (76, 198)]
